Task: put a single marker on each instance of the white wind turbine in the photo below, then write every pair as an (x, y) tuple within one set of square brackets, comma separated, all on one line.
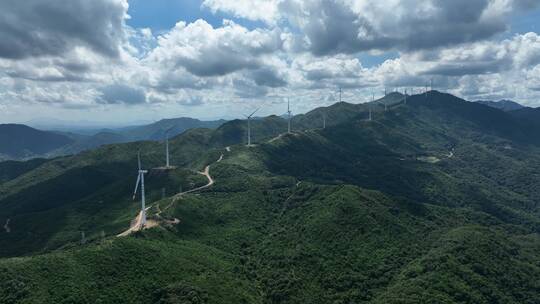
[(167, 162), (140, 180), (405, 96), (384, 104), (430, 86), (369, 106), (249, 126), (324, 120), (289, 116)]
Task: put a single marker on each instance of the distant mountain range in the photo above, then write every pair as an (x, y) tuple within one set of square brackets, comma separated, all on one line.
[(505, 105), (23, 142), (527, 115)]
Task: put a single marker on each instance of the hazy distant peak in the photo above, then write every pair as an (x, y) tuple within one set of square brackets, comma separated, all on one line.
[(505, 105)]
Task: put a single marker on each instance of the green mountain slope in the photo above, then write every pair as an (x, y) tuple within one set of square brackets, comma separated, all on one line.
[(12, 169), (433, 201), (530, 116), (22, 142)]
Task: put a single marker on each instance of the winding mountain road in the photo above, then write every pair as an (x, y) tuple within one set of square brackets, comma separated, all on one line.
[(136, 223)]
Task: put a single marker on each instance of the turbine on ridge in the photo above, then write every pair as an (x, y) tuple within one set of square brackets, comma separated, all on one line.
[(369, 106), (140, 180), (289, 116), (249, 126), (167, 162)]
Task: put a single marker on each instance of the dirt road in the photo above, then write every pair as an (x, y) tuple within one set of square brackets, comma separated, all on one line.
[(136, 223)]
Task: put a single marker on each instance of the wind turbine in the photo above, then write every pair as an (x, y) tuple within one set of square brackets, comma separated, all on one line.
[(384, 104), (324, 120), (167, 163), (405, 96), (140, 180), (249, 126), (289, 113), (369, 106)]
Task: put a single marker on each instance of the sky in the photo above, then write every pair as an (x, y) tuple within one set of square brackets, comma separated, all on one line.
[(121, 62)]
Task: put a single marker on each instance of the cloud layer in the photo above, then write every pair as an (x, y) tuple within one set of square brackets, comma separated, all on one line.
[(82, 55), (34, 28)]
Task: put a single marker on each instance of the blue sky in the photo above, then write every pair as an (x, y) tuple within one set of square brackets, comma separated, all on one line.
[(527, 22), (162, 15)]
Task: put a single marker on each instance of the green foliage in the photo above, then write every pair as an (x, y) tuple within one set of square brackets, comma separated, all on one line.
[(12, 169), (131, 270), (180, 293), (358, 212)]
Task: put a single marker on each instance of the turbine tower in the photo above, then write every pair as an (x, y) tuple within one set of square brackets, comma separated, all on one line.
[(167, 162), (369, 106), (140, 180), (167, 150), (384, 104), (405, 96), (324, 120), (249, 126), (289, 114)]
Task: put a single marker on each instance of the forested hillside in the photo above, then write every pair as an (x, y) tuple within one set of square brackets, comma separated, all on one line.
[(435, 200)]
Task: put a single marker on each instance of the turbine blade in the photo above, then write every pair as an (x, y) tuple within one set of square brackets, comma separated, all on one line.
[(139, 159), (137, 185), (168, 130), (254, 113)]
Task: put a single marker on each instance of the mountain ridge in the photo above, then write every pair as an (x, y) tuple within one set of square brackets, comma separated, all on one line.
[(73, 143), (505, 105)]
